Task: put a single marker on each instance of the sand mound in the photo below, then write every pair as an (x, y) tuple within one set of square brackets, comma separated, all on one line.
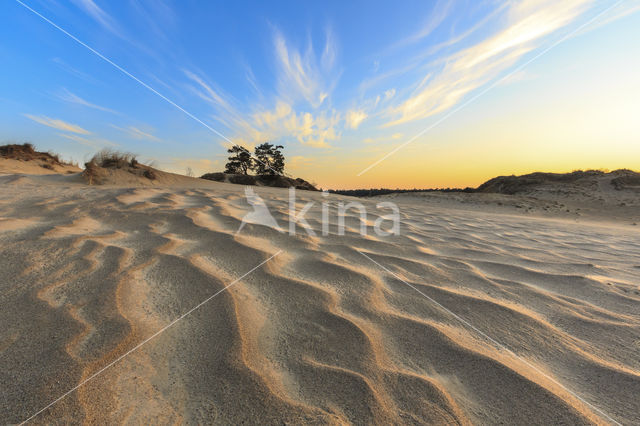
[(123, 169), (319, 334), (578, 182), (590, 195), (25, 159), (133, 176)]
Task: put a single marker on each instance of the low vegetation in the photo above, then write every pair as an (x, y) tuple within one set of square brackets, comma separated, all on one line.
[(385, 191), (114, 159), (261, 180), (105, 161), (622, 179), (27, 152), (511, 185)]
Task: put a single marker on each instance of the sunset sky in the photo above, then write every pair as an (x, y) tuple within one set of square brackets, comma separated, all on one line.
[(431, 93)]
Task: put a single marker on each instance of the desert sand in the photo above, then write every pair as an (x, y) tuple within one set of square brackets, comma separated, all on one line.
[(479, 312), (34, 167)]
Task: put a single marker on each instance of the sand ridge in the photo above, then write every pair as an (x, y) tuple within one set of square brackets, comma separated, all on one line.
[(319, 334)]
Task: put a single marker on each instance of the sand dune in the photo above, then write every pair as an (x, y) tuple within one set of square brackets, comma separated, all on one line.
[(319, 334), (34, 167)]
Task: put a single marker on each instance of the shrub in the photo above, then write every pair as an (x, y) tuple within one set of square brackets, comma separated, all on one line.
[(108, 158), (218, 177), (149, 174), (242, 179), (90, 171)]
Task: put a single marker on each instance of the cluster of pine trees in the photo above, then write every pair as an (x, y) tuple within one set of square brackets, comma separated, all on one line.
[(267, 159)]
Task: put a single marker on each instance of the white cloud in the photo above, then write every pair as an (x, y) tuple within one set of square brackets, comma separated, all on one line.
[(207, 93), (329, 54), (315, 130), (97, 13), (354, 118), (464, 71), (67, 96), (58, 124), (299, 76)]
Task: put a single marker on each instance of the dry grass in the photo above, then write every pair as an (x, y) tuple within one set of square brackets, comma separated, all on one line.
[(27, 152), (110, 159), (97, 168)]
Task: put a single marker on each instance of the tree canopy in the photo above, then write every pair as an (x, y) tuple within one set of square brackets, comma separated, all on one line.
[(271, 160), (267, 160), (240, 162)]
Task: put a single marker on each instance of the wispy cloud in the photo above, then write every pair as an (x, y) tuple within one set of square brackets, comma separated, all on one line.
[(67, 96), (96, 12), (624, 9), (297, 111), (57, 124), (206, 92), (71, 70), (440, 11), (355, 117), (95, 143), (251, 79), (136, 133), (299, 76), (157, 15), (301, 109), (528, 22)]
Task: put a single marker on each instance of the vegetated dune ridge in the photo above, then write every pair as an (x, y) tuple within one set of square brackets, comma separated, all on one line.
[(23, 158), (277, 181), (580, 195), (319, 334)]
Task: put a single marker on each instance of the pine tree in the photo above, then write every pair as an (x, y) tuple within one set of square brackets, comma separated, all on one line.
[(270, 160), (240, 162)]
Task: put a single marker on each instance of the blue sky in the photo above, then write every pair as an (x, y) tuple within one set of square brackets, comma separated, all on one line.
[(339, 84)]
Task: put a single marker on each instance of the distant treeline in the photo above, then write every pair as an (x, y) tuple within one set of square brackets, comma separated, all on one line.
[(385, 191)]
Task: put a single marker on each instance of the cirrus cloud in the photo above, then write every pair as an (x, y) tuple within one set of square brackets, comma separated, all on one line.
[(57, 124)]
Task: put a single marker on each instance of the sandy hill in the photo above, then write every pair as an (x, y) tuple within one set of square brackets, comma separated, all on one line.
[(592, 194), (23, 158), (589, 182)]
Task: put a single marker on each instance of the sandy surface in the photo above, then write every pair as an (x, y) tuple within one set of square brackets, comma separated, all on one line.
[(550, 310), (34, 167)]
